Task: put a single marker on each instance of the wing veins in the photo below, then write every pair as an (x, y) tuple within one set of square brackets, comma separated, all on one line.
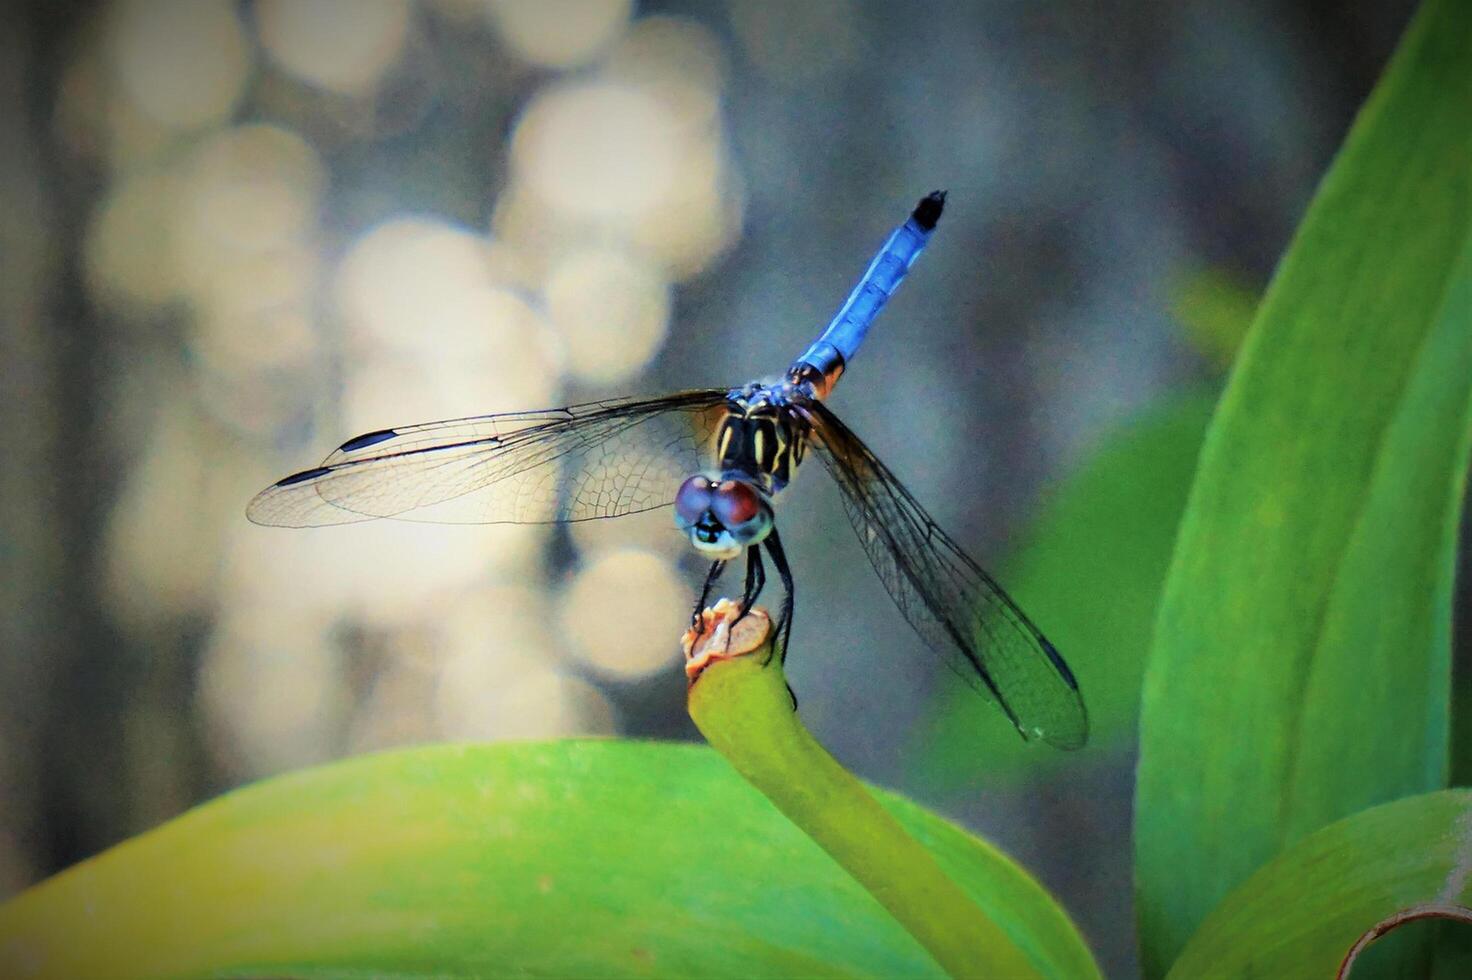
[(949, 599), (419, 476)]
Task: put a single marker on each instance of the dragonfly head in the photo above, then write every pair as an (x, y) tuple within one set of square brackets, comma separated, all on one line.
[(722, 517)]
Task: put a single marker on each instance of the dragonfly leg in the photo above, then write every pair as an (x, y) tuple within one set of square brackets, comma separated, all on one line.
[(789, 602), (756, 580), (697, 621)]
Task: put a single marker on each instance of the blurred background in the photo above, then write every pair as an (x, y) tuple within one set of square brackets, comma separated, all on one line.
[(234, 234)]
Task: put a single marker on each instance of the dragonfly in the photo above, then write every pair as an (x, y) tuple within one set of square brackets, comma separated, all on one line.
[(722, 457)]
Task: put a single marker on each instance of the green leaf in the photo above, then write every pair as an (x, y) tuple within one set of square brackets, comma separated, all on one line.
[(1089, 570), (557, 859), (1301, 661), (1302, 912)]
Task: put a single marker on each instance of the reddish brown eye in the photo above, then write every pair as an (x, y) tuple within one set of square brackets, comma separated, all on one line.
[(736, 503), (693, 499)]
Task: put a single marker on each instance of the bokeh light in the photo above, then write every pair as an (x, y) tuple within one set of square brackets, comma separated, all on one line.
[(433, 335), (343, 46), (597, 150), (678, 62), (247, 364), (130, 243), (624, 610), (251, 188), (403, 255), (558, 33), (475, 704), (508, 623), (689, 230), (632, 156), (273, 692), (652, 530), (386, 574), (183, 64), (247, 205), (227, 227), (612, 312), (161, 562), (392, 283)]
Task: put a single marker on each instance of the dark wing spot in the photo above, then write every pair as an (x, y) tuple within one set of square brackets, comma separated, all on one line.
[(366, 440), (303, 476), (1057, 659)]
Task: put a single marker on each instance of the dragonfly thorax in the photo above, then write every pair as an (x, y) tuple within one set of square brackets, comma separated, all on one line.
[(761, 438)]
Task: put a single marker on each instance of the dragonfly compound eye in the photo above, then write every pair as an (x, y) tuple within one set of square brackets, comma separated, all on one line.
[(692, 500), (740, 507), (736, 503)]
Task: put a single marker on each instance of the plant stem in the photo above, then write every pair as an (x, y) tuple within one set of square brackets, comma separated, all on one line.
[(739, 700)]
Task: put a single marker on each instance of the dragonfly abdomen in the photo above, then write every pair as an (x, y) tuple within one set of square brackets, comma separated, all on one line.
[(823, 362)]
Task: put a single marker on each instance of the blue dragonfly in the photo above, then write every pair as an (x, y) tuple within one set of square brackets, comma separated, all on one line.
[(743, 445)]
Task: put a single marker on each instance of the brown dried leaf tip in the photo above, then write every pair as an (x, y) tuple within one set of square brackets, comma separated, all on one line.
[(721, 637)]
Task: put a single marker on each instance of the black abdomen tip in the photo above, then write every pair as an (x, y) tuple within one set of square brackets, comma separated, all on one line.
[(927, 212)]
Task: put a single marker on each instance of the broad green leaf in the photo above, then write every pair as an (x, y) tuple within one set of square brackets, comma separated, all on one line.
[(1301, 660), (1300, 914), (578, 858), (1090, 570)]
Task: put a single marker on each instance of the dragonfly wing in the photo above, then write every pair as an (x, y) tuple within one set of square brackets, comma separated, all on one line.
[(955, 606), (599, 459)]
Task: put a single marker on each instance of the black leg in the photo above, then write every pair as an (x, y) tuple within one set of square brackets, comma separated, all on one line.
[(697, 622), (789, 602), (756, 580)]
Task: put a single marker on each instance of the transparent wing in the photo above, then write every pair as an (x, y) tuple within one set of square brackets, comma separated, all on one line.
[(599, 459), (959, 610)]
